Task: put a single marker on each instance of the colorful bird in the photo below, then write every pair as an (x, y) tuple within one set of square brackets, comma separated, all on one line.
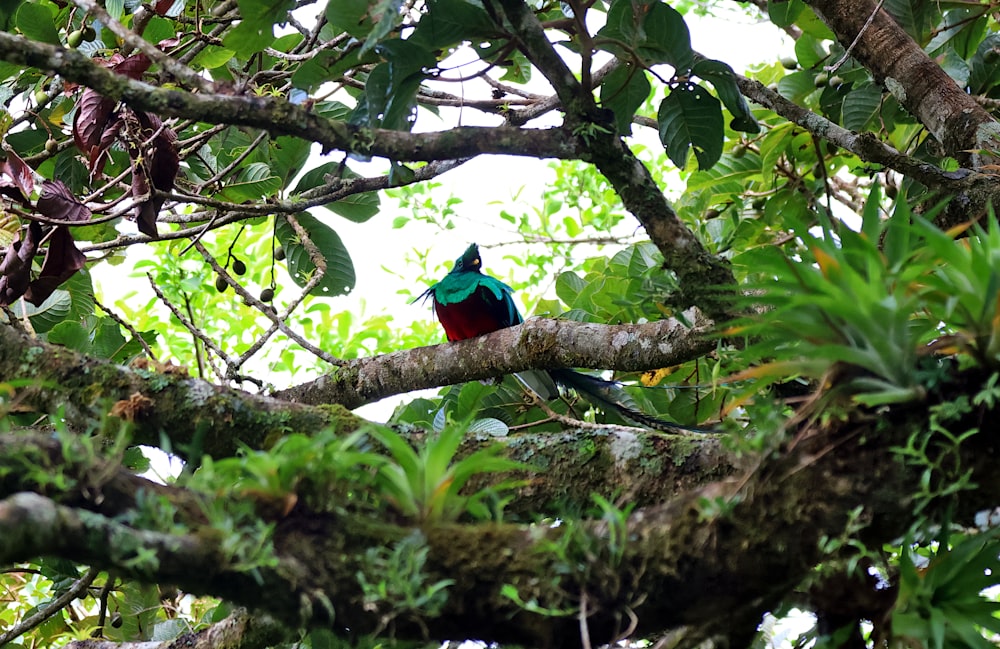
[(469, 303)]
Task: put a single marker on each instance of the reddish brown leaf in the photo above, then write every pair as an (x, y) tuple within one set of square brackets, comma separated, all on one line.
[(20, 173), (134, 66), (164, 162), (101, 152), (93, 114), (62, 259), (16, 265), (162, 7), (56, 201), (148, 208), (159, 168), (115, 59)]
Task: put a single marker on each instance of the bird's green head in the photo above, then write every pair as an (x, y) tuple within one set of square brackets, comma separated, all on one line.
[(469, 262)]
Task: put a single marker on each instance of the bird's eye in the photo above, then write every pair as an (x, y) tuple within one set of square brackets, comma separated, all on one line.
[(476, 262)]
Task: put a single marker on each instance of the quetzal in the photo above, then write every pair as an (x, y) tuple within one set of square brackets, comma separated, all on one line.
[(469, 303)]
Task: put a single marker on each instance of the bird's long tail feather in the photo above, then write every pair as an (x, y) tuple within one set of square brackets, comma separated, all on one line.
[(607, 395)]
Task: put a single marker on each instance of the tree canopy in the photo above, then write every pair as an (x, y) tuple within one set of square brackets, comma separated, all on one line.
[(821, 295)]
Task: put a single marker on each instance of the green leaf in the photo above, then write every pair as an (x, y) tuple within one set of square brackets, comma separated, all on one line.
[(388, 16), (159, 29), (73, 301), (722, 77), (256, 181), (37, 23), (448, 22), (860, 105), (667, 39), (339, 278), (287, 155), (690, 117), (914, 16), (351, 16), (256, 30), (797, 85), (356, 207), (108, 339), (809, 51), (783, 14), (212, 56), (71, 335), (623, 92), (569, 285), (985, 65)]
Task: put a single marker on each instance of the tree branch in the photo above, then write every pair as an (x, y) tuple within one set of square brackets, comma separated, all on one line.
[(283, 118), (733, 548), (955, 119), (539, 343), (240, 630)]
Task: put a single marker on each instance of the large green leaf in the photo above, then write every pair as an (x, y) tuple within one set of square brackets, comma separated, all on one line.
[(667, 39), (351, 16), (448, 22), (783, 14), (256, 29), (37, 23), (287, 154), (256, 181), (655, 31), (623, 91), (860, 105), (985, 65), (72, 301), (722, 77), (690, 117), (391, 88), (339, 277), (357, 207)]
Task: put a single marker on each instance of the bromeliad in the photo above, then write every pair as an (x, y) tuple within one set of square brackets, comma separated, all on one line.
[(470, 303)]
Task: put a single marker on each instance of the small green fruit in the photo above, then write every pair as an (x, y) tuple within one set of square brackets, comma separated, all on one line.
[(74, 39), (267, 294), (41, 96), (239, 267), (51, 146), (789, 63), (712, 214), (836, 81), (821, 80), (220, 284), (279, 253), (89, 33)]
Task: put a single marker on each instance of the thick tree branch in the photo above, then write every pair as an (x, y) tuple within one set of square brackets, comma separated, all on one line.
[(283, 118), (84, 389), (728, 550), (540, 343), (198, 417), (958, 122), (34, 526)]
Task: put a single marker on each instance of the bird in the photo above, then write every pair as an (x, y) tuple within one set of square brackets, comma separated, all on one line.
[(470, 303)]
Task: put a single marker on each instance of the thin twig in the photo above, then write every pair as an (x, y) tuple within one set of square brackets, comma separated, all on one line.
[(277, 320), (132, 330), (53, 608), (195, 331), (864, 28)]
